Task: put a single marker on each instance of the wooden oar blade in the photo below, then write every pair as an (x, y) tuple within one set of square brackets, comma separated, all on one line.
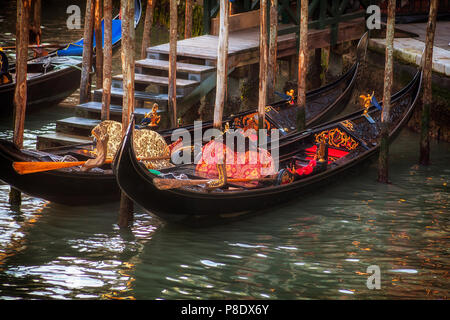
[(33, 167)]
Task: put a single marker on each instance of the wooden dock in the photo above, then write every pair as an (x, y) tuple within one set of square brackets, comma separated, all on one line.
[(196, 74)]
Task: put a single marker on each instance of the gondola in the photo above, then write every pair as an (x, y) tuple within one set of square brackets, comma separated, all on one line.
[(54, 77), (351, 141), (72, 187)]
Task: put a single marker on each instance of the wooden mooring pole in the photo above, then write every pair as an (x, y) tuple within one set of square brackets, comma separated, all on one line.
[(128, 37), (172, 103), (302, 66), (272, 59), (147, 28), (35, 27), (85, 83), (383, 157), (107, 59), (222, 64), (424, 158), (98, 44), (188, 20), (20, 92), (263, 59)]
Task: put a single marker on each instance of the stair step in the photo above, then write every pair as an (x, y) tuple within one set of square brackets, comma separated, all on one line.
[(181, 67), (57, 139), (146, 97), (93, 110), (76, 125), (162, 51), (161, 81)]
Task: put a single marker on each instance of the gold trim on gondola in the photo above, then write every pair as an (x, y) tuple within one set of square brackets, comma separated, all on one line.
[(337, 138)]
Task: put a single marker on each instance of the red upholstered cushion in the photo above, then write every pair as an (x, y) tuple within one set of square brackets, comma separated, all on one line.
[(247, 165), (305, 170)]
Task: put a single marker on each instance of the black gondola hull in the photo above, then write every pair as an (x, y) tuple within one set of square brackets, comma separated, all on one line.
[(193, 207), (61, 186), (43, 91)]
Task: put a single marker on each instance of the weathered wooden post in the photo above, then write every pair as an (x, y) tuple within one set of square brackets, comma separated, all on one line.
[(302, 66), (263, 57), (172, 103), (107, 59), (424, 158), (188, 20), (388, 78), (35, 27), (222, 64), (128, 36), (98, 44), (147, 28), (85, 83), (20, 92), (272, 59)]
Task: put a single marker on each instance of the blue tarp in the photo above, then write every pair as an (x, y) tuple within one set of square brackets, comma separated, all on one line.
[(76, 48)]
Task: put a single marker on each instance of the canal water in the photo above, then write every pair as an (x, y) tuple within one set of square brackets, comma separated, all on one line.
[(318, 247)]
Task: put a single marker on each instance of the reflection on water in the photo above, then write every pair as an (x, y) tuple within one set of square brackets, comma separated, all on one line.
[(316, 248)]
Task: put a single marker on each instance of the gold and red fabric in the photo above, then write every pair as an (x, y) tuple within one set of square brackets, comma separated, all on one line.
[(243, 165)]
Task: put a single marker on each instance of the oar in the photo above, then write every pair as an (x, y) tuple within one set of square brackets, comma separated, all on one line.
[(41, 166), (166, 184)]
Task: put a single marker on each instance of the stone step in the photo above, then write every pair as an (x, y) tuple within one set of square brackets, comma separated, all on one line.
[(76, 126), (181, 66), (161, 81), (58, 139), (146, 98), (184, 86), (93, 110)]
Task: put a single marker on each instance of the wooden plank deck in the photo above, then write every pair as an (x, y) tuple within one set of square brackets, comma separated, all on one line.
[(205, 47), (243, 46)]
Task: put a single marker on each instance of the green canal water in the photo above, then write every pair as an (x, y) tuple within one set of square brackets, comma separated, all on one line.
[(318, 247)]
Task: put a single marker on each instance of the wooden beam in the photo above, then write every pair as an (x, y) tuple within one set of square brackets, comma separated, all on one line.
[(236, 22), (188, 19), (172, 103), (302, 66), (263, 52), (272, 59), (128, 36), (85, 83), (35, 26), (127, 54), (427, 98), (98, 44), (222, 63), (20, 92), (147, 28), (383, 175), (107, 60)]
